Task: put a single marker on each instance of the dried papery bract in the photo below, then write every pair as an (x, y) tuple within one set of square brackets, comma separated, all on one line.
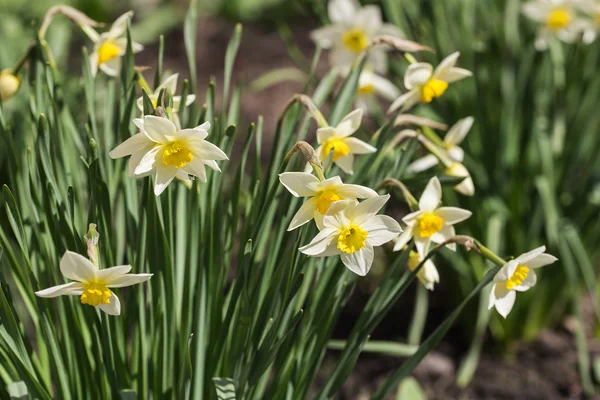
[(410, 119), (73, 14)]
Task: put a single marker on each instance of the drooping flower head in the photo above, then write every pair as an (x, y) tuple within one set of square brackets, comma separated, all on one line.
[(321, 195), (558, 18), (428, 275), (351, 230), (431, 223), (517, 275), (425, 84), (110, 46), (351, 31), (338, 140), (166, 151)]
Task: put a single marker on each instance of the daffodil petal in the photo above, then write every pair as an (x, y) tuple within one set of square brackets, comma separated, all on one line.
[(72, 288), (109, 274), (360, 261), (541, 260), (133, 144), (297, 183), (431, 196), (453, 215), (157, 128), (164, 176), (381, 229), (304, 214), (127, 280), (320, 243), (367, 209), (417, 75), (357, 146), (113, 307), (76, 267)]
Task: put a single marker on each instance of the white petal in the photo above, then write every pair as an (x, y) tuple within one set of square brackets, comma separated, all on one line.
[(456, 154), (318, 217), (406, 101), (164, 176), (135, 160), (212, 164), (367, 209), (111, 67), (147, 162), (410, 218), (114, 307), (157, 128), (423, 164), (342, 11), (325, 133), (381, 229), (453, 215), (466, 187), (458, 131), (505, 300), (529, 282), (417, 75), (119, 27), (492, 297), (76, 267), (320, 243), (304, 214), (523, 259), (404, 238), (506, 272), (355, 191), (128, 280), (108, 274), (336, 214), (369, 19), (446, 64), (169, 84), (535, 10), (431, 196), (454, 74), (350, 123), (444, 234), (541, 260), (72, 288), (207, 151), (360, 261), (327, 36), (357, 146), (385, 88), (422, 245), (197, 168), (346, 163), (334, 182), (297, 183), (133, 144)]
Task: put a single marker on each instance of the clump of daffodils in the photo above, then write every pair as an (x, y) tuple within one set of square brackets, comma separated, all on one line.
[(91, 283), (517, 275), (163, 150), (351, 31)]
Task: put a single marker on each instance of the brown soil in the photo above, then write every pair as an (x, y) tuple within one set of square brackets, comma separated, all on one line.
[(544, 369)]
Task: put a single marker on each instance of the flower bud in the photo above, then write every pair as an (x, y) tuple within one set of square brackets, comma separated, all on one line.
[(9, 84)]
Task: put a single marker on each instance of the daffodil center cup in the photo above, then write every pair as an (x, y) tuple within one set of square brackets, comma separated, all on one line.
[(351, 238), (517, 277), (429, 223), (432, 88), (324, 200), (176, 154), (366, 90), (338, 146), (355, 40), (107, 51), (559, 18), (95, 293)]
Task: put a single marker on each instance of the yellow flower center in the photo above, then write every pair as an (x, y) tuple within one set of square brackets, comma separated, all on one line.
[(95, 293), (324, 200), (355, 40), (432, 88), (429, 223), (558, 18), (517, 277), (177, 154), (338, 146), (107, 51), (351, 238), (413, 260), (366, 90)]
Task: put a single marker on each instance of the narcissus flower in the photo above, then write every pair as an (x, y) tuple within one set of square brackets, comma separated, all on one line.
[(9, 84), (352, 29), (110, 46), (456, 134), (165, 151), (351, 230), (321, 195), (371, 85), (458, 170), (428, 274), (430, 223), (339, 141), (590, 24), (92, 284), (170, 85), (424, 84), (558, 18), (517, 275)]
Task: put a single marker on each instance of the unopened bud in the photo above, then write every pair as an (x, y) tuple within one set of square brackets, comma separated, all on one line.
[(9, 84)]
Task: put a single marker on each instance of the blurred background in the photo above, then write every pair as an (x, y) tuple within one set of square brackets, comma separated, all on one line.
[(533, 153)]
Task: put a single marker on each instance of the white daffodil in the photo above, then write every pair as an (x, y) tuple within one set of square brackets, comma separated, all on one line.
[(166, 151), (370, 85), (110, 46), (93, 284), (170, 85), (351, 31), (321, 194), (424, 84), (428, 274), (458, 170), (591, 24), (456, 134), (338, 139), (558, 17), (351, 230), (430, 223), (517, 275)]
